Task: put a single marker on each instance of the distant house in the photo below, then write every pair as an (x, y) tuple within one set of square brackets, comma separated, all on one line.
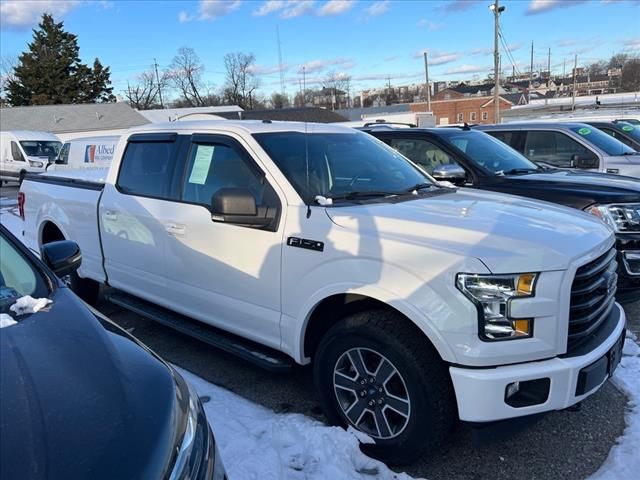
[(465, 109), (72, 121)]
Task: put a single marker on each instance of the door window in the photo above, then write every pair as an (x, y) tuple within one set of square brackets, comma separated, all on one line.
[(554, 148), (63, 156), (422, 152), (214, 166), (147, 169), (16, 153)]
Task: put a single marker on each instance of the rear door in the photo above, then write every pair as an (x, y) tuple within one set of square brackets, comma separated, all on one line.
[(221, 273), (554, 148), (133, 215)]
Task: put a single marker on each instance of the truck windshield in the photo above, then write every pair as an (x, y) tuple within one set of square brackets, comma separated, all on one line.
[(341, 165), (488, 152), (41, 148), (604, 142)]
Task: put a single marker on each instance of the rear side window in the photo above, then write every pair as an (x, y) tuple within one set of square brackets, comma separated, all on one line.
[(147, 169), (554, 148)]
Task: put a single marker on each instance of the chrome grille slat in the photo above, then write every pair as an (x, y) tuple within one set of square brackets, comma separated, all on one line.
[(591, 303)]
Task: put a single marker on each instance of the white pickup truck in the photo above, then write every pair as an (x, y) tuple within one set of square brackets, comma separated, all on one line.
[(288, 242)]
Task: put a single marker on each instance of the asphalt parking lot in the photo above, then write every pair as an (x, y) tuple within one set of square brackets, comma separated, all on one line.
[(568, 445)]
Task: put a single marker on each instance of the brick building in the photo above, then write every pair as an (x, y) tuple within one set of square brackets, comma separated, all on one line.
[(460, 109)]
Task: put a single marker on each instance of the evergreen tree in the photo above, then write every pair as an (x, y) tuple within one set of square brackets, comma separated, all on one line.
[(50, 72)]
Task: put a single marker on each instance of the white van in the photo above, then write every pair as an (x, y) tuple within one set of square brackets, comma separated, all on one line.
[(88, 152), (23, 151)]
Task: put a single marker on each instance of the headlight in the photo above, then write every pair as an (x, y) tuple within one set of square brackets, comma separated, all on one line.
[(492, 294), (624, 217), (36, 164), (190, 452)]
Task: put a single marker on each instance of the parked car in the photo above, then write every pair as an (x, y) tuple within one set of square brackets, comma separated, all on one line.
[(299, 242), (23, 151), (632, 121), (81, 398), (568, 145), (89, 152), (474, 159), (621, 131)]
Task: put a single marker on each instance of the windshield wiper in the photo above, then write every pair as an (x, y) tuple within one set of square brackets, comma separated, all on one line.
[(515, 171), (420, 186), (355, 195)]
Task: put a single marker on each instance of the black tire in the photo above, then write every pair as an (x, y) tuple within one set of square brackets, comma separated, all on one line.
[(87, 289), (432, 410)]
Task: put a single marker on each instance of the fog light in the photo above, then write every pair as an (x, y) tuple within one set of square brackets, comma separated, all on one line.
[(527, 393), (512, 389)]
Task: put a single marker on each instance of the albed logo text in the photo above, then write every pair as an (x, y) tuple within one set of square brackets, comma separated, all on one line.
[(98, 153)]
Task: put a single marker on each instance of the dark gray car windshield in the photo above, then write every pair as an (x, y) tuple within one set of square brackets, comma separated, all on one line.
[(41, 148), (335, 164), (604, 142), (487, 152)]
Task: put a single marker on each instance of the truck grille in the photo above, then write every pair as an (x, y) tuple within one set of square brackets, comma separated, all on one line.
[(592, 297)]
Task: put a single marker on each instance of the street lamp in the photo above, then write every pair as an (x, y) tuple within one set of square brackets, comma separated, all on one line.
[(497, 10)]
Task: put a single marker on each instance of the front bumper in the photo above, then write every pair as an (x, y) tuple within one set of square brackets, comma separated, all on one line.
[(480, 392)]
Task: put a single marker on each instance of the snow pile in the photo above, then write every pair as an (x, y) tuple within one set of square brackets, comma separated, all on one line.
[(624, 457), (27, 304), (10, 218), (6, 320), (256, 443)]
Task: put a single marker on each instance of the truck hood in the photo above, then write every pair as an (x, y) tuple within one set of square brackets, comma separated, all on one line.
[(508, 234), (82, 399)]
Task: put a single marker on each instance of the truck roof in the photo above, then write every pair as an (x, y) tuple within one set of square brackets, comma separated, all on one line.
[(32, 135), (242, 126), (525, 125)]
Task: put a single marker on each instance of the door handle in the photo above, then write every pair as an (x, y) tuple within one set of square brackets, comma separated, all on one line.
[(175, 229), (110, 215)]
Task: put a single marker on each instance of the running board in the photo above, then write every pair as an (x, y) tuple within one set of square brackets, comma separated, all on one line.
[(248, 350)]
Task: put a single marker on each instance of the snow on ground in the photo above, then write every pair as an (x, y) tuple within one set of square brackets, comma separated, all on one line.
[(624, 457), (257, 444), (11, 220)]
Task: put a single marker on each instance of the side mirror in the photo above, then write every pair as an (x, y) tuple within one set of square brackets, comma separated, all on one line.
[(238, 206), (585, 161), (62, 257), (450, 172)]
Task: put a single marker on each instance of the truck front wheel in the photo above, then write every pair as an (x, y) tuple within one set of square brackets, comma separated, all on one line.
[(380, 375)]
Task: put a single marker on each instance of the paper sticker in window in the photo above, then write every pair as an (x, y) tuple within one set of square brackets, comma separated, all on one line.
[(201, 164), (584, 131)]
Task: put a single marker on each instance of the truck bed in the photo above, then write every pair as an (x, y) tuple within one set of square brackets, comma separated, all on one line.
[(66, 202)]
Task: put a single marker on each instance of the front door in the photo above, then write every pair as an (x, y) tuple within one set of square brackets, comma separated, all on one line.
[(221, 273)]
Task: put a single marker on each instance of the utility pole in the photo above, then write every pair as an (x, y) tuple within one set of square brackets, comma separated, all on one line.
[(282, 88), (304, 85), (155, 65), (497, 10), (530, 74), (546, 97), (426, 77), (573, 93)]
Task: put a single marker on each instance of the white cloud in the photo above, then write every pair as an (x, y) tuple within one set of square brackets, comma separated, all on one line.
[(457, 5), (319, 65), (268, 70), (542, 6), (436, 57), (269, 6), (24, 14), (211, 9), (466, 69), (184, 17), (632, 44), (377, 8), (296, 8), (335, 7), (431, 26)]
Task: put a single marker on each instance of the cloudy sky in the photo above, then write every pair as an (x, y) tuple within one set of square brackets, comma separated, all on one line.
[(372, 41)]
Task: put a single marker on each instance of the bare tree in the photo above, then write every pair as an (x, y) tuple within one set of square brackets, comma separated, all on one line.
[(240, 81), (145, 92), (278, 100), (185, 74), (8, 64), (339, 85)]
